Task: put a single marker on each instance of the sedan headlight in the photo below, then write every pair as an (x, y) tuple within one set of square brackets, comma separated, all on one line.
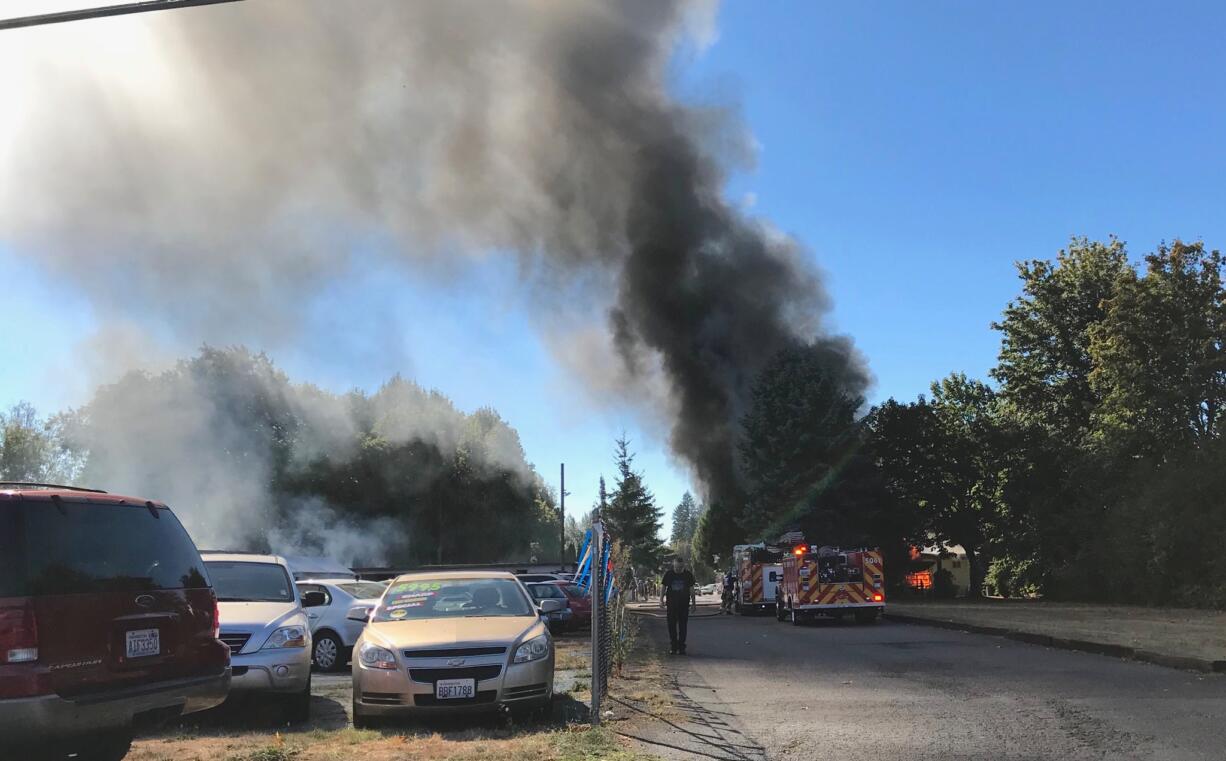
[(287, 636), (375, 657), (532, 650)]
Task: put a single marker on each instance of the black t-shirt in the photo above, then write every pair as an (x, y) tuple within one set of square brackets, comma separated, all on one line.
[(677, 586)]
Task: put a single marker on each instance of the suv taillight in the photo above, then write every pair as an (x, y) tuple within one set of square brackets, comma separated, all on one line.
[(216, 618), (18, 631)]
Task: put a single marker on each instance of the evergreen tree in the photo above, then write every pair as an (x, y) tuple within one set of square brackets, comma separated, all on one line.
[(631, 513), (685, 520)]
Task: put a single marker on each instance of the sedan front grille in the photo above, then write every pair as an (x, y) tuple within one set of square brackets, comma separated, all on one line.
[(455, 652), (236, 640), (470, 672)]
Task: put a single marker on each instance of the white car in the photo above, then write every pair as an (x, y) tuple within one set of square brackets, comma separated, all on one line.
[(263, 622), (333, 633)]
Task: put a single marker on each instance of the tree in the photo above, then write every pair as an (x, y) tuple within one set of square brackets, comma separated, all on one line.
[(26, 446), (1045, 364), (1160, 354), (685, 520), (948, 458), (631, 513), (799, 429)]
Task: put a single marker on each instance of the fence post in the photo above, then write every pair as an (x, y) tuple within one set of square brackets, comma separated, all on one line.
[(597, 593)]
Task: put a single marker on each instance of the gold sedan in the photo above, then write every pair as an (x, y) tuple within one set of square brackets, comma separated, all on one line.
[(450, 642)]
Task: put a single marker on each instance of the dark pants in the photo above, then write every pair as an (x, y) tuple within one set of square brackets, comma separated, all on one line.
[(678, 620)]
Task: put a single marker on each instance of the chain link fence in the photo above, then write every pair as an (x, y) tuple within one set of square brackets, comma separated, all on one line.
[(613, 627)]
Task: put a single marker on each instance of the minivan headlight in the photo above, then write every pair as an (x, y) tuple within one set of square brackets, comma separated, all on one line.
[(287, 636), (375, 657), (532, 650)]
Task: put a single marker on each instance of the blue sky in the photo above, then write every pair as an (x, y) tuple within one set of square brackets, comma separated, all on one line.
[(916, 149)]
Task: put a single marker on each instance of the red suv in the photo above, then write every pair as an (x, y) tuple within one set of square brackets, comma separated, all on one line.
[(107, 620)]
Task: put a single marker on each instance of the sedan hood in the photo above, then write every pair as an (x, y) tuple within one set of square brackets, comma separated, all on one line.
[(449, 632), (254, 615)]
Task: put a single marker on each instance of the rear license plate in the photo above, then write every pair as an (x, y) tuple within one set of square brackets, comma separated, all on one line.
[(142, 643), (451, 689)]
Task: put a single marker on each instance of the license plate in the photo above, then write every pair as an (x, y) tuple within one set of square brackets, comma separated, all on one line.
[(142, 643), (451, 689)]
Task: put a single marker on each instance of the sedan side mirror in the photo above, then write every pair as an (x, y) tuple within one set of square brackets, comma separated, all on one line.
[(360, 613), (313, 599), (550, 605)]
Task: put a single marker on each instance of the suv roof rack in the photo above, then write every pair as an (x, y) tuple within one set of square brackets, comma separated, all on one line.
[(236, 552), (38, 485)]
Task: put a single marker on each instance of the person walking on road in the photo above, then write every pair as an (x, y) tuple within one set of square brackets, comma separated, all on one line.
[(677, 593)]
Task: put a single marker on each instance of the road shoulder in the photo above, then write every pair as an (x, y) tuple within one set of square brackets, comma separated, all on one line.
[(1192, 640), (674, 713)]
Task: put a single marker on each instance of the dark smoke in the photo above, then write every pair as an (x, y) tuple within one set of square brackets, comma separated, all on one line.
[(217, 175)]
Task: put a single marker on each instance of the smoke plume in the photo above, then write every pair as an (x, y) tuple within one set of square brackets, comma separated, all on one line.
[(212, 170)]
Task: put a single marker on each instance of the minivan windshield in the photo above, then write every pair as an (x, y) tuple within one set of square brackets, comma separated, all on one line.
[(65, 547), (244, 581), (453, 598)]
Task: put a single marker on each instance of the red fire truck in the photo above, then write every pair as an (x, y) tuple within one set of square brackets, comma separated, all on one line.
[(759, 571), (828, 581)]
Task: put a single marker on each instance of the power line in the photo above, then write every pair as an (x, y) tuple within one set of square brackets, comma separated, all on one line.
[(103, 11)]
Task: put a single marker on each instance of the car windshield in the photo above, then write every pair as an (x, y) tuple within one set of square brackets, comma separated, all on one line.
[(73, 548), (241, 581), (363, 590), (543, 591), (453, 598)]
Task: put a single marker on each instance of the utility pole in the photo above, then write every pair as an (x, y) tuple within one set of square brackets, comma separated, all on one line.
[(596, 594)]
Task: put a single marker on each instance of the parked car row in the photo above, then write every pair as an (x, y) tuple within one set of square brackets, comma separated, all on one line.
[(110, 618)]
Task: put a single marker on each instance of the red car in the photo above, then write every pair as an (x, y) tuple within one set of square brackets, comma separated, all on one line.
[(580, 604), (107, 620)]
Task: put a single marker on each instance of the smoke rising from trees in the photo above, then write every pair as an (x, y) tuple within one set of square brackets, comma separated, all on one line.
[(211, 171)]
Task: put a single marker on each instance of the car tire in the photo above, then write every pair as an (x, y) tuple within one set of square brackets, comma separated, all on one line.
[(298, 706), (328, 652), (109, 747)]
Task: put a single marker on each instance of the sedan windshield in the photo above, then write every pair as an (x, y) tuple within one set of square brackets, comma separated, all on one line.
[(363, 590), (453, 598), (250, 582)]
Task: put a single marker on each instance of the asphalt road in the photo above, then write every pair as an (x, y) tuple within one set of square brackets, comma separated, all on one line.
[(753, 689)]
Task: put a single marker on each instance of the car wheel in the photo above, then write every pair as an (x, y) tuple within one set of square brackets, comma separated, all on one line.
[(298, 706), (328, 653), (110, 747)]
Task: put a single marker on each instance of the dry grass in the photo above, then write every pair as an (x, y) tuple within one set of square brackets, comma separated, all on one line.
[(575, 743)]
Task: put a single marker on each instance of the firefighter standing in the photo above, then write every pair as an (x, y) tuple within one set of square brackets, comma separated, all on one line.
[(729, 592), (677, 592)]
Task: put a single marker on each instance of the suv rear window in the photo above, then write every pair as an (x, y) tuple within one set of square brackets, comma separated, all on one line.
[(73, 548)]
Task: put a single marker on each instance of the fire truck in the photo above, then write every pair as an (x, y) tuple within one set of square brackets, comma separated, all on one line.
[(759, 570), (833, 582)]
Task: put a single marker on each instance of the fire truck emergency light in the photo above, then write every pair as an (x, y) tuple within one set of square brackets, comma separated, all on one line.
[(800, 550)]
